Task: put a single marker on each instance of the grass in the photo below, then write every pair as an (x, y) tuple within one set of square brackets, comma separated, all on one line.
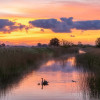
[(90, 63), (15, 56), (22, 56), (91, 58)]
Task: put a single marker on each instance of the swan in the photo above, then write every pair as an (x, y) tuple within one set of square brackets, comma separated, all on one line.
[(44, 82)]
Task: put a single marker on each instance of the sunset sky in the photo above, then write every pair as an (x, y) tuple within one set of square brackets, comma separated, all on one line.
[(27, 22)]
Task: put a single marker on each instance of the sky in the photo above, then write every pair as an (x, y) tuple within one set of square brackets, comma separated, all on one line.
[(27, 22)]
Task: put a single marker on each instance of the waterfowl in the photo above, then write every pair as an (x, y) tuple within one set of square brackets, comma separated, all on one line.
[(73, 81), (38, 83), (44, 82)]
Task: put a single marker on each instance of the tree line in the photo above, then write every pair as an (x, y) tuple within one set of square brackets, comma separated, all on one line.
[(56, 42)]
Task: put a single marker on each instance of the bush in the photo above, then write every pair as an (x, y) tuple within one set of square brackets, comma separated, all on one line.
[(54, 42), (66, 44), (98, 42)]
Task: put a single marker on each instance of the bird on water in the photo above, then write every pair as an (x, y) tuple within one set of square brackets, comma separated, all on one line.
[(73, 81), (44, 82)]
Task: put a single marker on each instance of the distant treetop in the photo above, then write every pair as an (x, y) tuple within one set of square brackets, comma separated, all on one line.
[(54, 42)]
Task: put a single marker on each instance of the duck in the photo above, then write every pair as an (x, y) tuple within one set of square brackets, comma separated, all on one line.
[(44, 82), (73, 81)]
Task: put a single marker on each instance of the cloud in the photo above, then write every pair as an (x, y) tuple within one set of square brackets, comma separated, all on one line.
[(7, 26), (56, 26), (65, 25), (87, 25)]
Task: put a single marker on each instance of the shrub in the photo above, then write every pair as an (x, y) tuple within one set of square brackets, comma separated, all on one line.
[(54, 42), (98, 42)]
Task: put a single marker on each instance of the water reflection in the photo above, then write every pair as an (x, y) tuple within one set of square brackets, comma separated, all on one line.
[(61, 65), (68, 80), (81, 51)]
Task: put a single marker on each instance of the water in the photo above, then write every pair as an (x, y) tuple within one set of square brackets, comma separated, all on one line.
[(60, 73)]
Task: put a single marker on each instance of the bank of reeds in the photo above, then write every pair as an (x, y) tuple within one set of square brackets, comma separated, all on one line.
[(21, 56), (58, 51), (91, 59), (90, 63)]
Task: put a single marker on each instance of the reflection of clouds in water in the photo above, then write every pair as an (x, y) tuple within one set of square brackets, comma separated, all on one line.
[(60, 65), (49, 63)]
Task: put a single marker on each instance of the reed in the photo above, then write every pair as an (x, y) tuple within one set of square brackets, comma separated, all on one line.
[(91, 58), (90, 63)]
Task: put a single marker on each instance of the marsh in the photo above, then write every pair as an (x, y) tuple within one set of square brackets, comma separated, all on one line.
[(68, 80)]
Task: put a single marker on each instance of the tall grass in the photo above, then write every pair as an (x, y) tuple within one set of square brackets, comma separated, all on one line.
[(90, 63), (18, 57), (91, 58), (58, 51)]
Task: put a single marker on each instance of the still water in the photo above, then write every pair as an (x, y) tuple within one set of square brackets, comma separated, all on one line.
[(66, 82)]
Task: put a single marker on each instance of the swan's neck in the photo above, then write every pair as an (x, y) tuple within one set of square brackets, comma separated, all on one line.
[(42, 80)]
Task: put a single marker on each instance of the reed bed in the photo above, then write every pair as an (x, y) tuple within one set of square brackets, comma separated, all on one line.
[(91, 58), (90, 63)]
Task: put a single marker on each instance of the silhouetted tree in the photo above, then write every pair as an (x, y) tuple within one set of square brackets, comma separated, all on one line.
[(2, 45), (39, 44), (54, 42), (98, 42), (66, 43), (80, 44)]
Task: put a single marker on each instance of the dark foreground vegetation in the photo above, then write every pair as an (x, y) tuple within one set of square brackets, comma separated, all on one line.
[(90, 63), (91, 58)]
